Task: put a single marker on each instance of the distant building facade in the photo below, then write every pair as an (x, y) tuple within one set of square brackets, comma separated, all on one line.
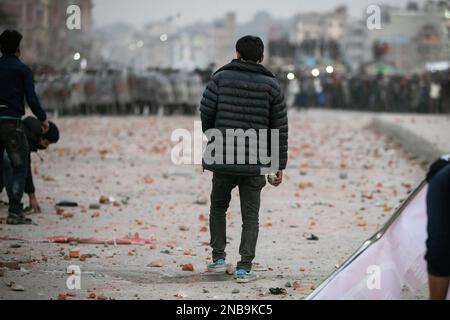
[(312, 39), (202, 45), (413, 36), (47, 41), (163, 44), (315, 25), (355, 45)]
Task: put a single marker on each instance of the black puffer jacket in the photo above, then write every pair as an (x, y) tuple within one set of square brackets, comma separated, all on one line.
[(245, 95)]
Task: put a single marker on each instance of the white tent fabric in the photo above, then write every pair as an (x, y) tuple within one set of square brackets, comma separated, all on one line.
[(392, 258)]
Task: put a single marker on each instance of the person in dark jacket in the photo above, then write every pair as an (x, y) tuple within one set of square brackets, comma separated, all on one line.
[(242, 100), (37, 140), (16, 85), (438, 228)]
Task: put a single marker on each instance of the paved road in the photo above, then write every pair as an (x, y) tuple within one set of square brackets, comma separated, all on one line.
[(343, 182)]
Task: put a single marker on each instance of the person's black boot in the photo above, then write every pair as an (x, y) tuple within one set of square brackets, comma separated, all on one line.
[(27, 210), (18, 219)]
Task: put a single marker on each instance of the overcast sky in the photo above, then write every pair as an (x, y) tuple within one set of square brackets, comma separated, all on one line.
[(139, 12)]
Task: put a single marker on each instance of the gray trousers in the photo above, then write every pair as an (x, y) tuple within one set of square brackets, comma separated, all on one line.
[(250, 197)]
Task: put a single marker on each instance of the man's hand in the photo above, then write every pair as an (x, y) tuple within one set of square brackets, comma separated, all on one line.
[(45, 125), (34, 204), (278, 180)]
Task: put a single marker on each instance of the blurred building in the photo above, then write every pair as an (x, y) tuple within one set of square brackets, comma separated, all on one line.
[(165, 44), (194, 47), (159, 37), (224, 40), (308, 39), (318, 36), (355, 45), (47, 41), (447, 24), (315, 25), (260, 25), (274, 33), (281, 49), (116, 45), (413, 36)]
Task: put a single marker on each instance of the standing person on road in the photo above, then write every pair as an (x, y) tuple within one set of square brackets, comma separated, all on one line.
[(243, 95), (16, 85)]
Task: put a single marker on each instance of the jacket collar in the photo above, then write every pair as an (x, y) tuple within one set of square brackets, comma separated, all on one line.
[(9, 56), (247, 66)]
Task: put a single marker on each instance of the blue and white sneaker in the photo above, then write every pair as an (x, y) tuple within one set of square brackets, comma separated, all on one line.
[(217, 266), (243, 276)]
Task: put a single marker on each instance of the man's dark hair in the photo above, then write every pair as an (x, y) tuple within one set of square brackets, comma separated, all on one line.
[(250, 48), (52, 134), (10, 41)]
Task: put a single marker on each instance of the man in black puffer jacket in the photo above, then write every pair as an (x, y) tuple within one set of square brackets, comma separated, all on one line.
[(244, 117)]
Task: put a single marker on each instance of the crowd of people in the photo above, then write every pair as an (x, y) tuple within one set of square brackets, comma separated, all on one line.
[(116, 91), (426, 93)]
